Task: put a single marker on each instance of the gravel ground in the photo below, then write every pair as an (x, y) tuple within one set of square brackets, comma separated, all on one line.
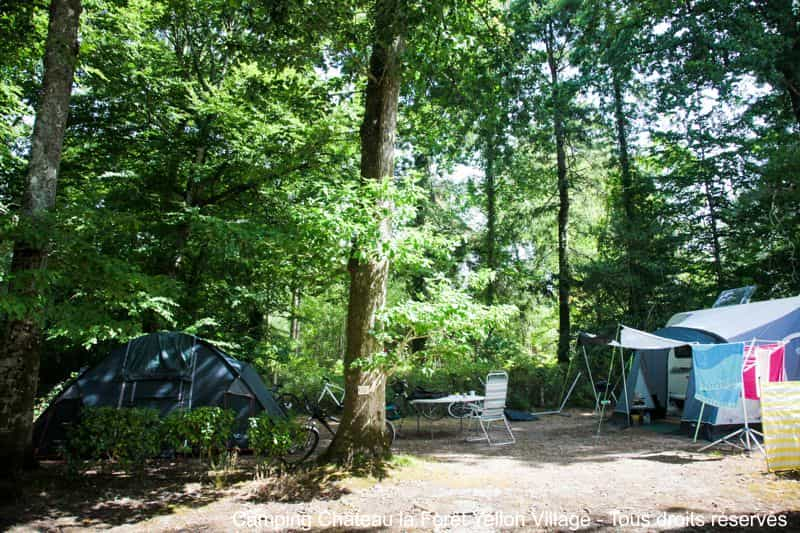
[(558, 475)]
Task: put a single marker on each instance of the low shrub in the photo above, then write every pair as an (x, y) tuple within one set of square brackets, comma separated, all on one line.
[(274, 439), (205, 431), (127, 437)]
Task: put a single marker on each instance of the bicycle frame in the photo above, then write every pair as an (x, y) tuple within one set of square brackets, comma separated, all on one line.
[(331, 389)]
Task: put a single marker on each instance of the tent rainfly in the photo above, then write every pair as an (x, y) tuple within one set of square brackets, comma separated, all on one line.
[(165, 371)]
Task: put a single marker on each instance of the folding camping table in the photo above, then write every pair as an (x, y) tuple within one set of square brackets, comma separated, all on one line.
[(447, 400)]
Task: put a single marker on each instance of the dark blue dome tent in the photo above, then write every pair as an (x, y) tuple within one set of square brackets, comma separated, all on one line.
[(164, 371), (661, 379)]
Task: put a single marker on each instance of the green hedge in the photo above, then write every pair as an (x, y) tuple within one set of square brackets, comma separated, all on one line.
[(205, 431), (129, 437)]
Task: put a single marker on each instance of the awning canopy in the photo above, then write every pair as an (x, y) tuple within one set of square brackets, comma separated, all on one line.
[(641, 340), (633, 339)]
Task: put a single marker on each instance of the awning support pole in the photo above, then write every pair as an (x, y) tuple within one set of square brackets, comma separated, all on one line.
[(605, 400), (625, 386), (591, 380), (699, 421)]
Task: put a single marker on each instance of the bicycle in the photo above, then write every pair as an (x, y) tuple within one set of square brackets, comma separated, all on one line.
[(319, 414), (318, 411), (331, 398)]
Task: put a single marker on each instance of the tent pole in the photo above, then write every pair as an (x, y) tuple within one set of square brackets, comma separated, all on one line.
[(591, 380), (699, 421), (605, 392), (124, 378), (625, 386), (744, 405), (563, 402), (605, 395), (194, 369)]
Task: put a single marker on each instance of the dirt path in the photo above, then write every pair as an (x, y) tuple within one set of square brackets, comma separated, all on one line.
[(557, 476)]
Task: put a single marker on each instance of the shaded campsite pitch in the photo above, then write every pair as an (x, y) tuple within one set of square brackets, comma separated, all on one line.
[(557, 470)]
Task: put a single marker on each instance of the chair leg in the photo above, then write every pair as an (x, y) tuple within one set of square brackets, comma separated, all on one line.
[(468, 433), (511, 440), (485, 431), (473, 430), (508, 428)]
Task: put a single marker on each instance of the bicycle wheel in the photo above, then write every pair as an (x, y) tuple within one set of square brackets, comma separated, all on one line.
[(431, 411), (391, 433), (306, 444), (459, 410)]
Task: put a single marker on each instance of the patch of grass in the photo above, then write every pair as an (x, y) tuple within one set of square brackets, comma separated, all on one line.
[(402, 460)]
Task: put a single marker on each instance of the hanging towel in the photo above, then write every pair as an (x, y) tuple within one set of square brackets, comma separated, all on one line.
[(762, 363), (718, 373)]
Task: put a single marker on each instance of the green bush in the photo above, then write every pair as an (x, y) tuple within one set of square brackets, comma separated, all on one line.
[(127, 437), (205, 431), (273, 438)]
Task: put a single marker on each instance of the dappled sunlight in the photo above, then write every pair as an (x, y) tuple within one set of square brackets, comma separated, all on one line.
[(631, 471), (107, 500)]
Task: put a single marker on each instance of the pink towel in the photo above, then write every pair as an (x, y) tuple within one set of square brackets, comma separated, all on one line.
[(765, 362)]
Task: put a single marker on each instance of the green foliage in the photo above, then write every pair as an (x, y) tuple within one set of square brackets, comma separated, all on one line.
[(205, 431), (452, 323), (273, 438), (126, 437), (211, 174)]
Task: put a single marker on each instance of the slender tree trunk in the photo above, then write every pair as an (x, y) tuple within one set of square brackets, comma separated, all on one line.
[(361, 432), (490, 185), (294, 330), (787, 64), (632, 244), (20, 347), (713, 222), (419, 289), (564, 275)]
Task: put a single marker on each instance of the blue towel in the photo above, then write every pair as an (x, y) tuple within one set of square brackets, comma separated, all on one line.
[(718, 373)]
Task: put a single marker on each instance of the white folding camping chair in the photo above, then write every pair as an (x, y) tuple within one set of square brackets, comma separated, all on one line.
[(491, 410)]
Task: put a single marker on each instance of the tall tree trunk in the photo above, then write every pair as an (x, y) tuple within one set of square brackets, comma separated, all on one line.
[(490, 185), (361, 431), (21, 343), (564, 275), (630, 227)]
